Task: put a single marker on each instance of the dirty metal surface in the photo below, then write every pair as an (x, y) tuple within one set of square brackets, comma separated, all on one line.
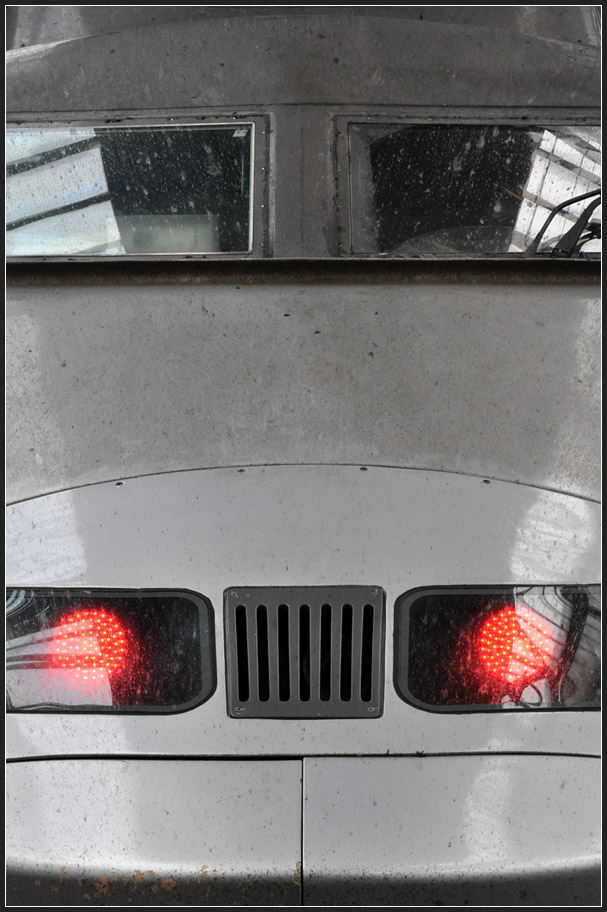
[(301, 271), (107, 381), (483, 831), (27, 26), (317, 58), (107, 833)]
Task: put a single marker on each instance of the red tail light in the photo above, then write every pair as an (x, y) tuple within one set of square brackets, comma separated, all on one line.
[(499, 647), (90, 639), (512, 651), (108, 650)]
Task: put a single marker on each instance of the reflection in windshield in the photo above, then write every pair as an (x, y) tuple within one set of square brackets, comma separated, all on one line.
[(526, 647), (139, 190), (466, 189)]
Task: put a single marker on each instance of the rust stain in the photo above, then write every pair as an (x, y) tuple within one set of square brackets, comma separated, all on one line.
[(155, 888), (151, 873), (204, 872), (168, 883), (102, 887), (137, 879), (63, 875), (297, 874)]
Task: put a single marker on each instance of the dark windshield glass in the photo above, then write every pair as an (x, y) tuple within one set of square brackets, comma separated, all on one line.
[(138, 190), (451, 189)]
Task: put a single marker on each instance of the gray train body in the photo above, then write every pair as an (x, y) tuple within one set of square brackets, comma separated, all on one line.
[(310, 412)]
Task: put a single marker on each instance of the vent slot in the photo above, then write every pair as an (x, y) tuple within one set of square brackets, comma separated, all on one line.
[(367, 653), (305, 652), (284, 680), (263, 668), (243, 656), (325, 652), (345, 681)]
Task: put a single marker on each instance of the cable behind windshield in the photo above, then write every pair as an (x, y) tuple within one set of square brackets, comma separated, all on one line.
[(464, 189)]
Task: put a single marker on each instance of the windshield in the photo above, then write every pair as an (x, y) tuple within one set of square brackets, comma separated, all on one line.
[(136, 190), (464, 189)]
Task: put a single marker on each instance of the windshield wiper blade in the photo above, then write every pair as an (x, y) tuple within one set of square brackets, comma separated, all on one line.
[(535, 243)]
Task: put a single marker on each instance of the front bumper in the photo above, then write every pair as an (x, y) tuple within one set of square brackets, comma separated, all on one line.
[(453, 830)]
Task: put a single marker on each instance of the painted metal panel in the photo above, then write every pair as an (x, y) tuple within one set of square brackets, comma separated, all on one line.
[(310, 59), (484, 831), (212, 530), (113, 380), (27, 25), (88, 832)]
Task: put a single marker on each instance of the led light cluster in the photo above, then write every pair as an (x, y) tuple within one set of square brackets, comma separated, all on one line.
[(512, 652), (91, 638)]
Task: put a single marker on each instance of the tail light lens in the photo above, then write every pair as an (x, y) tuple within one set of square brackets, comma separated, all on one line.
[(91, 639), (108, 651), (480, 648)]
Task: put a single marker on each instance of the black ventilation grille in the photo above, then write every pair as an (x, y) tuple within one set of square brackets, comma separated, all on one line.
[(305, 652)]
